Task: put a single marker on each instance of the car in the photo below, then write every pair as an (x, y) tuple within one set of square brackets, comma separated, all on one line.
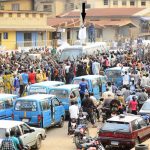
[(145, 110), (29, 135), (124, 131)]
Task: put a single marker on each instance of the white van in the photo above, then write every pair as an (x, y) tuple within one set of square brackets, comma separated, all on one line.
[(77, 51)]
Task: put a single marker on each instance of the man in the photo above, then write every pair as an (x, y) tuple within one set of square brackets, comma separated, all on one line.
[(142, 98), (73, 112), (16, 84), (108, 95), (95, 67), (126, 79), (88, 106), (83, 86), (96, 104), (133, 105), (126, 93), (15, 140), (7, 143)]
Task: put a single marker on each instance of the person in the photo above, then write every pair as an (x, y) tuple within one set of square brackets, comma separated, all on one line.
[(142, 98), (83, 86), (15, 140), (96, 104), (88, 106), (95, 67), (16, 84), (32, 77), (73, 113), (133, 105), (108, 95), (7, 143), (126, 93), (126, 79)]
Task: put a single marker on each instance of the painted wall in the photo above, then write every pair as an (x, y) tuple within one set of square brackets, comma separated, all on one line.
[(24, 4), (9, 43)]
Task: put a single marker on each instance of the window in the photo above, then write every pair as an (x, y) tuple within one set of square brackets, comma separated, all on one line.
[(143, 3), (18, 15), (33, 15), (27, 36), (142, 123), (37, 90), (71, 6), (10, 14), (26, 106), (48, 8), (27, 15), (8, 103), (124, 3), (132, 3), (24, 128), (45, 105), (135, 125), (60, 93), (5, 35), (115, 2), (2, 106), (41, 15), (15, 7), (56, 102), (105, 2), (16, 129), (2, 131)]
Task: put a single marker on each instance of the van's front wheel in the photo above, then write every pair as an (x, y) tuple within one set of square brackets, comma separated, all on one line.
[(61, 123)]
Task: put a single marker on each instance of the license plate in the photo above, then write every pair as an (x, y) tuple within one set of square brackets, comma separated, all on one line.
[(25, 120), (114, 143)]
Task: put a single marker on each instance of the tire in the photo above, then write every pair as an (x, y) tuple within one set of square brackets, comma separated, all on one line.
[(61, 123), (77, 142), (38, 142), (141, 147)]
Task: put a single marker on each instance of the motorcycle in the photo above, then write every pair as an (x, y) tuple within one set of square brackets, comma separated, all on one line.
[(80, 132), (106, 114), (92, 144)]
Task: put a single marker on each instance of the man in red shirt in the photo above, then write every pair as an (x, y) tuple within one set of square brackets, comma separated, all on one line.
[(32, 77), (133, 105)]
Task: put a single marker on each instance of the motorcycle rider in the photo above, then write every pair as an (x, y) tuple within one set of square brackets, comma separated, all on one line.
[(88, 106), (73, 112), (96, 104)]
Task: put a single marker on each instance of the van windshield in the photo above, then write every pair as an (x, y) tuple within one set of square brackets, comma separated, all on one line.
[(71, 54), (146, 106), (2, 131), (37, 90), (60, 94), (113, 126), (113, 73), (26, 106)]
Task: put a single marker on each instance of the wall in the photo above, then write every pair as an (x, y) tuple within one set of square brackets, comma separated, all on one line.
[(9, 43), (108, 33), (24, 4)]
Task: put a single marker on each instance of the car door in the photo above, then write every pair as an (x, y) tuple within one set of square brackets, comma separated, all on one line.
[(57, 109), (28, 137), (2, 110), (46, 112)]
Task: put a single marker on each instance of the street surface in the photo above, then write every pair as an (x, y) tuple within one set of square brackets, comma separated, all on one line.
[(57, 138)]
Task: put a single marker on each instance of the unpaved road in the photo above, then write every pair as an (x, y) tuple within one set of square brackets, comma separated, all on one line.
[(57, 139)]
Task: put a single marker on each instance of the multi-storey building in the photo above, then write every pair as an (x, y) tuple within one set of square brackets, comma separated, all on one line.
[(118, 3), (17, 5)]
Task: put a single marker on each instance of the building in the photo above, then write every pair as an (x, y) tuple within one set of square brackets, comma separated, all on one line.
[(56, 7), (111, 24), (118, 3), (24, 29), (17, 5)]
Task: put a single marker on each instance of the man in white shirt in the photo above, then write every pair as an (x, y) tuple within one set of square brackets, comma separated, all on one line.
[(74, 113), (126, 79), (95, 67)]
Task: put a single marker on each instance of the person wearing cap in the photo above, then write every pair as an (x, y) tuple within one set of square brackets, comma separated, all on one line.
[(7, 143)]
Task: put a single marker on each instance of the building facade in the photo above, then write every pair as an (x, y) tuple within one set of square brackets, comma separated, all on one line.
[(23, 29), (118, 3), (17, 5)]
